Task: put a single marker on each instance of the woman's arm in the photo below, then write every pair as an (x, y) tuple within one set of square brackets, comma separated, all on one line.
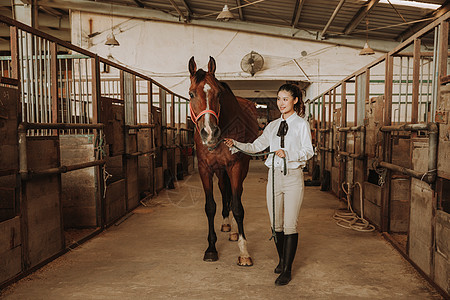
[(258, 145), (306, 150)]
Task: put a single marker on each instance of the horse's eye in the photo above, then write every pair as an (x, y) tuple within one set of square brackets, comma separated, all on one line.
[(191, 95)]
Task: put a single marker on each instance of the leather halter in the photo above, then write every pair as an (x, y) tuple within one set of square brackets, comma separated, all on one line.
[(195, 117)]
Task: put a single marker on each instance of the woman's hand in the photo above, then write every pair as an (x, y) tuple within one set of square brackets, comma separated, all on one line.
[(280, 153), (228, 142)]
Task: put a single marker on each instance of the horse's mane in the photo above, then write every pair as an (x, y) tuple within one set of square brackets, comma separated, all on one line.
[(199, 76), (226, 86)]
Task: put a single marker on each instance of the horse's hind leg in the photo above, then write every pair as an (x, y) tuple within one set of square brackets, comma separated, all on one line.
[(210, 209), (237, 175), (225, 190)]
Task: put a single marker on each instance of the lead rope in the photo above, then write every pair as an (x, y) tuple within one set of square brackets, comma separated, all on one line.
[(274, 236)]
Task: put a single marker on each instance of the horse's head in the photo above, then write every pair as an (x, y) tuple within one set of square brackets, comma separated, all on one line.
[(204, 94)]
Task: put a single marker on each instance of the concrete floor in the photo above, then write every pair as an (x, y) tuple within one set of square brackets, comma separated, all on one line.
[(157, 254)]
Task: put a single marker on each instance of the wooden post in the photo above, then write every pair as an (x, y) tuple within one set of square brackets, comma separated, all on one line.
[(334, 100), (14, 35), (387, 147), (150, 102), (355, 122), (343, 137), (54, 84), (367, 85), (415, 85), (15, 66), (96, 92), (443, 42), (134, 83), (172, 111), (152, 132), (443, 57)]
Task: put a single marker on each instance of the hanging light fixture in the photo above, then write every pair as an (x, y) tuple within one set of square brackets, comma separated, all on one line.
[(367, 50), (110, 38), (225, 15)]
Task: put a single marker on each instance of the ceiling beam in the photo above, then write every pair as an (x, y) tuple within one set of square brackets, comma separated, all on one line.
[(62, 22), (333, 16), (298, 11), (51, 11), (188, 9), (139, 3), (417, 26), (249, 27), (180, 13), (360, 15), (241, 12)]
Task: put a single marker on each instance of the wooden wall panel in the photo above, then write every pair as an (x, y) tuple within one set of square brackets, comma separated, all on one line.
[(10, 249), (132, 183), (43, 218), (399, 205), (420, 230), (372, 202), (8, 128), (442, 253), (145, 175), (79, 191), (115, 200), (44, 231), (443, 163)]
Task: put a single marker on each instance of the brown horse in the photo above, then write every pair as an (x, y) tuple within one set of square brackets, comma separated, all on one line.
[(218, 113)]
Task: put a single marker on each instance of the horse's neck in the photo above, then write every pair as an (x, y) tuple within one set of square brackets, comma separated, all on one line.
[(229, 107)]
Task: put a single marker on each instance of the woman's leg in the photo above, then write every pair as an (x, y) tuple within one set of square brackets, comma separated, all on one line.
[(278, 200), (279, 242), (293, 187)]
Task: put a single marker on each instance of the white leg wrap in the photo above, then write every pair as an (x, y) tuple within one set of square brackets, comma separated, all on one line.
[(242, 243)]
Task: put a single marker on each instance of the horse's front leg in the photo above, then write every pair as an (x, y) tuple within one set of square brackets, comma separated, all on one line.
[(210, 208), (225, 189), (237, 175)]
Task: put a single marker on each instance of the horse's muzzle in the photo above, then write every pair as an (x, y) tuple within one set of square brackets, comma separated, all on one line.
[(210, 137)]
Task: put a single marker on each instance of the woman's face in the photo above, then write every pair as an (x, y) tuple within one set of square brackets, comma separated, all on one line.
[(286, 102)]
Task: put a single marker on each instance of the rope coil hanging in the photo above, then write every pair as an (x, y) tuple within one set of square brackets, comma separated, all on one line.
[(349, 219)]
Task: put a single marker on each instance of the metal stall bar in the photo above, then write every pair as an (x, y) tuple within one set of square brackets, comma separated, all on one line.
[(430, 175)]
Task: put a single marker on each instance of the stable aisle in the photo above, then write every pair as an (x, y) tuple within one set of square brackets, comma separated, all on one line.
[(156, 253)]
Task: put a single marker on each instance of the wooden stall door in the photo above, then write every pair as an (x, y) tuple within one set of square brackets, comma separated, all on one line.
[(10, 230)]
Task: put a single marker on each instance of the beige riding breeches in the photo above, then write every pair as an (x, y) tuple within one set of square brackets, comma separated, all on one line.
[(289, 191)]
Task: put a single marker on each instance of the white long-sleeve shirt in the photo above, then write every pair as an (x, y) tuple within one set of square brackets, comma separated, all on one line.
[(297, 142)]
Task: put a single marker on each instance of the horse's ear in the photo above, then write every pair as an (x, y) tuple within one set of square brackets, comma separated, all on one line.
[(192, 66), (211, 65)]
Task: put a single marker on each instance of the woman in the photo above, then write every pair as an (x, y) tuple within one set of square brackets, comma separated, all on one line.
[(290, 138)]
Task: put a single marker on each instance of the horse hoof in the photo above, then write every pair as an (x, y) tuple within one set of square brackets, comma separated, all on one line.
[(211, 256), (225, 228), (234, 237), (245, 261)]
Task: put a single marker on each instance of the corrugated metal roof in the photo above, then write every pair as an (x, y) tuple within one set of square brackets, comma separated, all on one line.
[(314, 14), (313, 17)]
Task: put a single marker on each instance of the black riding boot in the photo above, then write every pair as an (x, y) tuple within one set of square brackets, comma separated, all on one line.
[(280, 245), (290, 247)]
